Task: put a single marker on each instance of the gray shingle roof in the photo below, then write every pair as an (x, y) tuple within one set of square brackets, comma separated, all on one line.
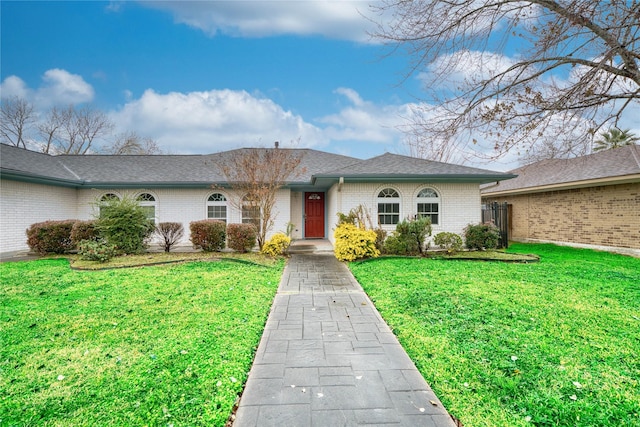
[(201, 170), (613, 164), (394, 166), (27, 163)]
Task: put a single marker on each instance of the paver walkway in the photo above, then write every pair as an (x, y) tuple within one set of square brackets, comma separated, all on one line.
[(327, 358)]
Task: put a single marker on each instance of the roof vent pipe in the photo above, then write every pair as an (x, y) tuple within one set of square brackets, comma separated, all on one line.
[(277, 144)]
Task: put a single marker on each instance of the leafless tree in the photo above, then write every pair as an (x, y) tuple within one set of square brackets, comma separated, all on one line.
[(73, 131), (128, 143), (16, 118), (507, 74), (255, 175), (84, 126), (51, 126), (171, 233)]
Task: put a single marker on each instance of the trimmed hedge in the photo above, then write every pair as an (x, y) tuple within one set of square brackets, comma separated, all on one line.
[(96, 250), (50, 236), (481, 236), (84, 230), (409, 237), (449, 241), (208, 235), (241, 237)]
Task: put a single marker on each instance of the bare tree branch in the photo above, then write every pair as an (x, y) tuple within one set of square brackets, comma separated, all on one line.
[(129, 143), (51, 127), (16, 118), (573, 65), (255, 175)]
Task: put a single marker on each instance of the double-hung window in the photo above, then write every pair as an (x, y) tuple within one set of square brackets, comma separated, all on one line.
[(250, 212), (428, 205), (388, 207), (148, 204), (217, 207)]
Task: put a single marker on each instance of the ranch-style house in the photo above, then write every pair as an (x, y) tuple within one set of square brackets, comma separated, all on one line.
[(36, 187)]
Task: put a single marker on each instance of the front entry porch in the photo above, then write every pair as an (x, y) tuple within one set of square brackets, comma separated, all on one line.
[(304, 246)]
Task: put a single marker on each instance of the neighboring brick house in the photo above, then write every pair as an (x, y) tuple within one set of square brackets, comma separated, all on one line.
[(591, 201), (36, 187)]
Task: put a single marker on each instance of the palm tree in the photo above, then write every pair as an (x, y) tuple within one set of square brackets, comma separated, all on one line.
[(615, 138)]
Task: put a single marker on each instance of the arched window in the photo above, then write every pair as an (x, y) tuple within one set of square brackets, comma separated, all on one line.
[(217, 207), (148, 204), (250, 211), (388, 206), (428, 205), (105, 199), (109, 197)]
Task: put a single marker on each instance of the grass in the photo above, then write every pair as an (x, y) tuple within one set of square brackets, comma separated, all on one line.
[(495, 255), (163, 345), (554, 343), (157, 258)]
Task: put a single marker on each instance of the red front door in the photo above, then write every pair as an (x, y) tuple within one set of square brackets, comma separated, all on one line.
[(314, 215)]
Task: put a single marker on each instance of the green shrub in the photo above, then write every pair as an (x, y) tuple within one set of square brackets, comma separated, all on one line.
[(241, 237), (481, 236), (277, 245), (381, 236), (353, 243), (170, 233), (449, 241), (50, 236), (84, 230), (208, 235), (96, 250), (399, 244), (124, 225), (409, 237)]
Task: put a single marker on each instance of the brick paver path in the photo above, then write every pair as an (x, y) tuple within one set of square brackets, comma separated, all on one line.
[(327, 358)]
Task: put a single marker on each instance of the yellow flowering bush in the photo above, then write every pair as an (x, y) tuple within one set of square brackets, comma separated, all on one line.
[(352, 243), (277, 245)]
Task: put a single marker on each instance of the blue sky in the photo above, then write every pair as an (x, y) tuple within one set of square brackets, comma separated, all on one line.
[(201, 77), (207, 76)]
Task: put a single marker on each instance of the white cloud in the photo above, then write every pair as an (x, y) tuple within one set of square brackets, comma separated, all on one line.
[(364, 121), (59, 87), (262, 18), (14, 86), (216, 120), (463, 68)]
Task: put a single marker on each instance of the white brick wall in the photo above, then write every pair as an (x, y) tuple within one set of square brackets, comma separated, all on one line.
[(23, 204), (185, 206), (459, 203)]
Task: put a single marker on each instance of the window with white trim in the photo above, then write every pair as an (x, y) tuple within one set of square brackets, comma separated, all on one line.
[(250, 212), (148, 204), (388, 207), (428, 205), (106, 198), (109, 197), (217, 207)]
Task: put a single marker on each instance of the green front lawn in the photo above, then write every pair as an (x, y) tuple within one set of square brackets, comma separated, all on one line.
[(165, 345), (554, 343)]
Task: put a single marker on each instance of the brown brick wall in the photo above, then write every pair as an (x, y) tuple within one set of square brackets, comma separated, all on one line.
[(606, 215)]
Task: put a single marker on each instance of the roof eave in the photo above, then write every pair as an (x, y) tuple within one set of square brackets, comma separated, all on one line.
[(38, 179), (460, 178), (625, 179)]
